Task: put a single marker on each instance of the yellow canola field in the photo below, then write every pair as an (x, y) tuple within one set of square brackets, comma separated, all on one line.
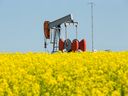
[(64, 74)]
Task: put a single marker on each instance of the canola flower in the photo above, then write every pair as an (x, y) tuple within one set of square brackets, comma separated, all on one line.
[(64, 74)]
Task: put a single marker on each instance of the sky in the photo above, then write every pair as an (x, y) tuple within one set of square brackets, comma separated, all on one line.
[(21, 23)]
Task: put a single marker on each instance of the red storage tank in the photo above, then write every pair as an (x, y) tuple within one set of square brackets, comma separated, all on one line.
[(61, 44), (75, 45), (46, 30), (82, 45)]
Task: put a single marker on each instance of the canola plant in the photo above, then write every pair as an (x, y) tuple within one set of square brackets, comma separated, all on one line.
[(64, 74)]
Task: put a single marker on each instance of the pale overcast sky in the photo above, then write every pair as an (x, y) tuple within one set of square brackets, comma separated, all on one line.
[(21, 23)]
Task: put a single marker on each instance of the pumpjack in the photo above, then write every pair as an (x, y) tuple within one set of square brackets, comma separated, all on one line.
[(52, 32)]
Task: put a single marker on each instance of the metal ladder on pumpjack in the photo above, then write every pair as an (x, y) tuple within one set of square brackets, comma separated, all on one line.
[(56, 38)]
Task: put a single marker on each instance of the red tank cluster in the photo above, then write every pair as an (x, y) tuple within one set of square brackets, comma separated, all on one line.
[(73, 46)]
